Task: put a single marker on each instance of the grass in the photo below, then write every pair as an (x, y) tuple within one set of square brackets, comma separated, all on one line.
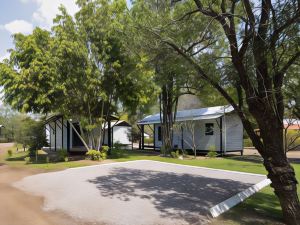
[(261, 205), (18, 160)]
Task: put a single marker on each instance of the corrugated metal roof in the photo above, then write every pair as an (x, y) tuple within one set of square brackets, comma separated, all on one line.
[(192, 114)]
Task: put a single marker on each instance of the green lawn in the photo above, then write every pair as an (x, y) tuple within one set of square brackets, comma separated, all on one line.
[(17, 160)]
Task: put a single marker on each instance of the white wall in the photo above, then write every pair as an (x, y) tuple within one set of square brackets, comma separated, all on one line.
[(59, 138), (234, 132), (120, 134)]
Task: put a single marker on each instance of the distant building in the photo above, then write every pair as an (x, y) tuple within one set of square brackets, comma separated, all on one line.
[(291, 124), (215, 127), (61, 134)]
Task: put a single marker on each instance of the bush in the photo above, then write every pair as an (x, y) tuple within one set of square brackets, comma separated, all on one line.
[(97, 155), (9, 153), (27, 160), (104, 151), (93, 155), (62, 155), (117, 145), (175, 154), (149, 140), (212, 152), (248, 142)]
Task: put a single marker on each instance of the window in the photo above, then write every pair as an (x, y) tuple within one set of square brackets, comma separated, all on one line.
[(209, 129), (159, 133)]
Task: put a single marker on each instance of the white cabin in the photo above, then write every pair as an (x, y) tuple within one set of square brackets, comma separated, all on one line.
[(61, 134), (218, 128)]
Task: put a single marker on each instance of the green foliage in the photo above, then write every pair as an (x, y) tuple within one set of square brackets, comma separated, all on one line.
[(212, 152), (62, 155), (27, 160), (9, 152), (93, 155), (293, 139), (149, 140), (35, 131), (175, 154), (248, 142), (104, 151)]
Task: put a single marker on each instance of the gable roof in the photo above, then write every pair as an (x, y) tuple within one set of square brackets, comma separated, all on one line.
[(192, 114), (120, 123)]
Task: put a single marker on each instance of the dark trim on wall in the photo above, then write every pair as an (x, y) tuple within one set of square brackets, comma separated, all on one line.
[(68, 136), (154, 133), (112, 137), (55, 135), (221, 135), (143, 137), (109, 136), (182, 141), (62, 133)]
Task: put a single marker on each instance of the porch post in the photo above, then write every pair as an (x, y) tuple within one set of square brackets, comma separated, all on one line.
[(154, 137), (221, 136), (109, 136), (62, 132), (68, 136), (50, 135), (182, 141), (55, 135), (140, 139), (143, 137)]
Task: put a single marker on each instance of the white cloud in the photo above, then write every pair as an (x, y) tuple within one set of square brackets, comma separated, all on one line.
[(18, 26), (47, 10)]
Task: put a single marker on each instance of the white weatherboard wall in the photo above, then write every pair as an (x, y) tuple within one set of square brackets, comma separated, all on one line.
[(234, 135), (120, 134)]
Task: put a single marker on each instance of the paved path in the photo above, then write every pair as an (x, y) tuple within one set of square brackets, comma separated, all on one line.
[(137, 193)]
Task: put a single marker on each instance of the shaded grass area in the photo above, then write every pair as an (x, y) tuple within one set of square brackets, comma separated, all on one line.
[(17, 159), (261, 208)]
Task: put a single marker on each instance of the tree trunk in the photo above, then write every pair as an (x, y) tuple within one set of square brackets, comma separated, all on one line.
[(167, 120), (284, 182), (280, 172)]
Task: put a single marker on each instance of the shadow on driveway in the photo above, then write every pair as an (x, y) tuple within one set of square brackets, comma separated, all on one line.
[(177, 196)]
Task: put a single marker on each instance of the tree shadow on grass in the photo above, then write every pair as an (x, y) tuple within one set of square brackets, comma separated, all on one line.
[(177, 196), (248, 158), (261, 208), (125, 154)]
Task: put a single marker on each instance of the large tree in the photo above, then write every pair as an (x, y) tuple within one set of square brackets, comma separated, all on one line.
[(258, 41), (79, 69)]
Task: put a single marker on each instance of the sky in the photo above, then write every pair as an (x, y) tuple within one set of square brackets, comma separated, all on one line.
[(23, 15)]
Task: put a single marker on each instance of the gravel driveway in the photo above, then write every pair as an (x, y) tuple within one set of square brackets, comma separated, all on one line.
[(137, 193)]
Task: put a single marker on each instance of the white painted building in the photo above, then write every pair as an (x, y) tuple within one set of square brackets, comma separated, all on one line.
[(218, 128), (61, 134)]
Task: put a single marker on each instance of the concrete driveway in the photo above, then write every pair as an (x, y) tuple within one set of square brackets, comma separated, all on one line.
[(138, 192)]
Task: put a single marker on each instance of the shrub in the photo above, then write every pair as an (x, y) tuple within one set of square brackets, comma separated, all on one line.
[(212, 152), (175, 154), (117, 145), (149, 140), (62, 155), (9, 152), (104, 151), (93, 155), (27, 160), (248, 142)]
